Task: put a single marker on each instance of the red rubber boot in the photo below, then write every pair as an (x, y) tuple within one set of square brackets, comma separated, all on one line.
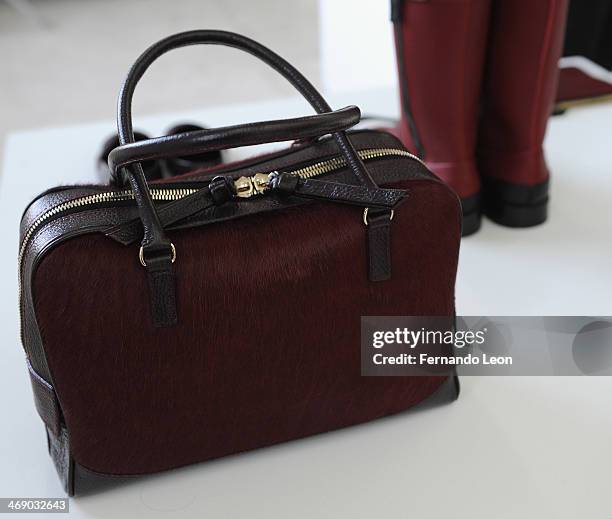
[(440, 47), (520, 83)]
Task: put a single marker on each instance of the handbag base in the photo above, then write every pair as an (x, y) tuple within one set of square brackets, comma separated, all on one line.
[(77, 479)]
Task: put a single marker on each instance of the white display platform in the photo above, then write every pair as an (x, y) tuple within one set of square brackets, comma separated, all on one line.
[(510, 447)]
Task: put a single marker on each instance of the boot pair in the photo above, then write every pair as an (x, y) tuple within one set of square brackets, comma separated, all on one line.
[(477, 83), (158, 169)]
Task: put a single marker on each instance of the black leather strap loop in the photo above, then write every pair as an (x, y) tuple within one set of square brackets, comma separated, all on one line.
[(194, 142), (285, 183), (221, 190), (379, 244), (46, 401)]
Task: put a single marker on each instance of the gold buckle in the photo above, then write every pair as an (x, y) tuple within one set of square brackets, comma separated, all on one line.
[(365, 216), (144, 263)]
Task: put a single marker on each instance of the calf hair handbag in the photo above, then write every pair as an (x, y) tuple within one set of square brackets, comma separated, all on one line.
[(219, 311)]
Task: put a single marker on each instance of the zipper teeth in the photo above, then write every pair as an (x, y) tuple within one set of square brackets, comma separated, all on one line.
[(171, 194), (326, 166), (161, 195)]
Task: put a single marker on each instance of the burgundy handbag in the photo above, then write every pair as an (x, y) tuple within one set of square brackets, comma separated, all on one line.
[(219, 311)]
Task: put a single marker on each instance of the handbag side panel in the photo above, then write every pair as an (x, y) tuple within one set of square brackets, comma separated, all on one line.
[(267, 345)]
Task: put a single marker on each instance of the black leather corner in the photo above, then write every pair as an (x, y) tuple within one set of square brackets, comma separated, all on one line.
[(46, 401), (59, 449)]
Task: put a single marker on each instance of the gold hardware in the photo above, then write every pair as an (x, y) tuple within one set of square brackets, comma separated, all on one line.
[(256, 184), (365, 216), (144, 263), (244, 187), (261, 182)]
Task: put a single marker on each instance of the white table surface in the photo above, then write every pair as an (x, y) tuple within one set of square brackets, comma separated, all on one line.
[(510, 447)]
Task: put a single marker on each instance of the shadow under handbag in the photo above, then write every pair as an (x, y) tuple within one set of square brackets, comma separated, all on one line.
[(219, 311)]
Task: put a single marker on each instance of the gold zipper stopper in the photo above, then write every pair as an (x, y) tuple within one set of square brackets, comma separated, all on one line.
[(254, 185)]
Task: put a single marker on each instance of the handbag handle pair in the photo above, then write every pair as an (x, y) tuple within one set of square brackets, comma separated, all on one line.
[(157, 252)]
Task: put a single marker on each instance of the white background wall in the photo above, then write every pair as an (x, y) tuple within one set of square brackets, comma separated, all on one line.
[(356, 45)]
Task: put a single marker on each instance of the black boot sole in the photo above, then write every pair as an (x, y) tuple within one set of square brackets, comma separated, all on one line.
[(472, 214), (515, 205)]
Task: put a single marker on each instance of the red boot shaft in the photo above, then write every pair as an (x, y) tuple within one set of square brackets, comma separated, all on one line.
[(440, 48), (520, 84)]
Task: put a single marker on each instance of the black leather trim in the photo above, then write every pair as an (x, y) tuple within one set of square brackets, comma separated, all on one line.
[(59, 450), (347, 193), (45, 401)]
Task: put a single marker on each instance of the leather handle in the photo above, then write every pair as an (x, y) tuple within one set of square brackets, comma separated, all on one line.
[(310, 93), (191, 143), (154, 239), (157, 252)]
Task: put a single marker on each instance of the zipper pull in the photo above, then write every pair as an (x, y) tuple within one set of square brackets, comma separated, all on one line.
[(256, 184)]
